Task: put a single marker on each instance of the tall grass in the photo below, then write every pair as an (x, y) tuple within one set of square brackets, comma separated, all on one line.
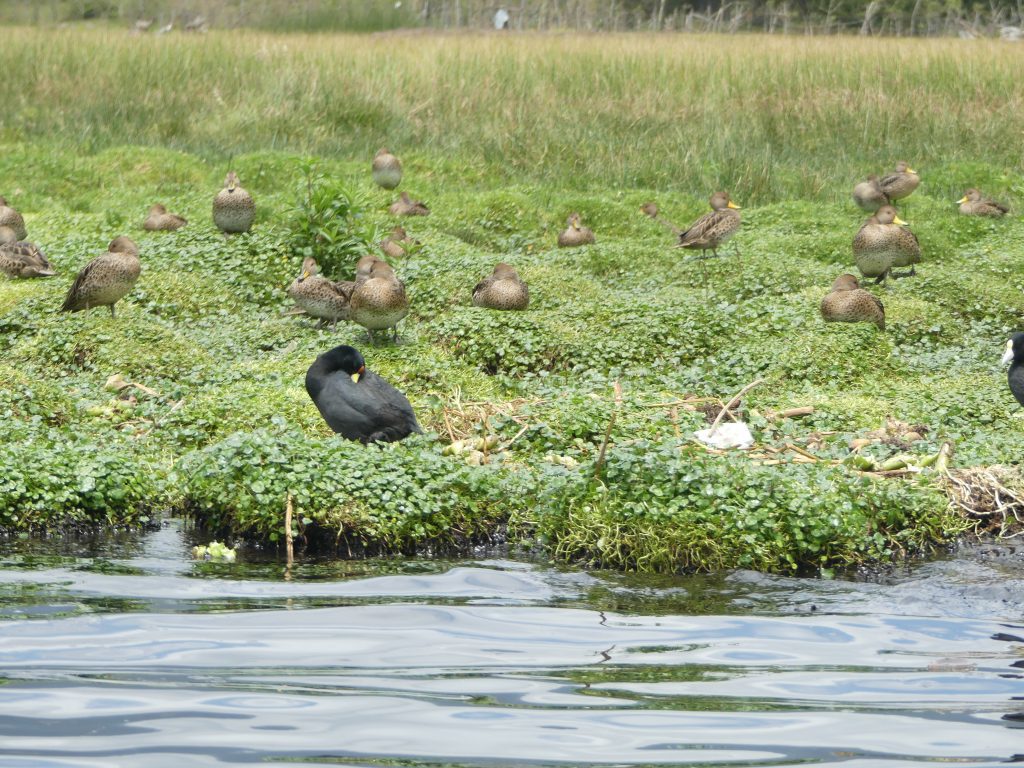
[(769, 118)]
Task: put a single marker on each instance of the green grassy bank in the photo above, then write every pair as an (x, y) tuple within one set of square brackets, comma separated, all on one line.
[(224, 430)]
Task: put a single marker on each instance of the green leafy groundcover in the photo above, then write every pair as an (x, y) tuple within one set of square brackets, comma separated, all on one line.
[(665, 507), (671, 506), (390, 497), (62, 486)]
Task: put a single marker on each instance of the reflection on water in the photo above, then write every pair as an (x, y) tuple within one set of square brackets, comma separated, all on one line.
[(127, 653)]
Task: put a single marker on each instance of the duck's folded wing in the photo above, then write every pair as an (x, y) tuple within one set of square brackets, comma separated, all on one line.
[(343, 288), (71, 301), (700, 229)]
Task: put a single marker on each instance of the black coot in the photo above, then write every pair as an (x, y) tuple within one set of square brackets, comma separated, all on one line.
[(355, 402), (1015, 354)]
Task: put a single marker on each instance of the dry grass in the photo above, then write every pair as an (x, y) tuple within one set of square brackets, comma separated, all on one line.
[(772, 117)]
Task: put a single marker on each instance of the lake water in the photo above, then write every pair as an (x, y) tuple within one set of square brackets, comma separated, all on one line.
[(127, 653)]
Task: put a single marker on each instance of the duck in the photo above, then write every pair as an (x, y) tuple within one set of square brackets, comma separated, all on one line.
[(378, 300), (406, 206), (105, 279), (387, 169), (973, 203), (652, 211), (847, 302), (159, 220), (233, 207), (21, 259), (397, 244), (11, 218), (575, 234), (884, 242), (869, 195), (324, 299), (357, 403), (714, 229), (502, 289), (1014, 354), (900, 183)]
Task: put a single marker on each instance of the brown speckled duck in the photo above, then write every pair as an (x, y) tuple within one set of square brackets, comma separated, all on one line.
[(319, 297), (575, 233), (900, 183), (378, 300), (714, 229), (105, 279), (11, 218), (502, 289), (973, 203), (869, 195), (397, 244), (387, 169), (651, 210), (159, 220), (22, 259), (884, 242), (406, 206), (847, 302), (233, 207)]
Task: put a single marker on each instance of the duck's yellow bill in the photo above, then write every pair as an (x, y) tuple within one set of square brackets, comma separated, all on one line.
[(962, 200), (733, 205), (911, 170), (355, 377), (901, 222)]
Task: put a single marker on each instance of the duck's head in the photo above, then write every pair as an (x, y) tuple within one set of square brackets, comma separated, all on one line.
[(502, 269), (405, 198), (649, 209), (574, 221), (8, 235), (887, 215), (157, 209), (1014, 350), (123, 244), (970, 196), (904, 167), (383, 151), (348, 360), (381, 269), (398, 233), (3, 201), (365, 265), (231, 181), (721, 200), (309, 268), (845, 282)]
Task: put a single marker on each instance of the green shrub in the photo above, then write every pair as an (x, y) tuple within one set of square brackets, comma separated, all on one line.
[(329, 224)]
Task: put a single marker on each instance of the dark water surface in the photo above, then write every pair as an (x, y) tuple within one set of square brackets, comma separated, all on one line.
[(127, 653)]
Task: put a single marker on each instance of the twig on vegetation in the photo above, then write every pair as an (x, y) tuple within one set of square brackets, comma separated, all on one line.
[(797, 449), (732, 404), (791, 413), (518, 434), (599, 464), (288, 546)]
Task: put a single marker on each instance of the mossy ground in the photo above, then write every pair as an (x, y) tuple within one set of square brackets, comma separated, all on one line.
[(231, 433)]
